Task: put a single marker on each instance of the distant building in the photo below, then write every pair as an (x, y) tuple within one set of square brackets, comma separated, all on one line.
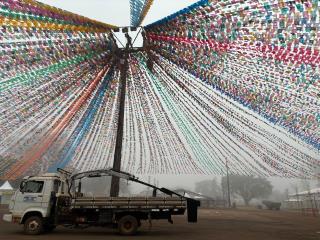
[(6, 192), (305, 201)]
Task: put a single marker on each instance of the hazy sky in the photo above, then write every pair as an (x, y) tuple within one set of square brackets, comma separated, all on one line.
[(117, 12)]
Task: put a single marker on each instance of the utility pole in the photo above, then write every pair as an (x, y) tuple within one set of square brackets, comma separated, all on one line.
[(115, 182), (121, 56), (298, 199), (228, 184)]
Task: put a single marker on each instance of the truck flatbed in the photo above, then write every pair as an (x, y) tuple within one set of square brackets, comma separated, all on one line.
[(130, 202)]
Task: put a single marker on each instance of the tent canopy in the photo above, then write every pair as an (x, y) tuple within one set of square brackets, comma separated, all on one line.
[(6, 186)]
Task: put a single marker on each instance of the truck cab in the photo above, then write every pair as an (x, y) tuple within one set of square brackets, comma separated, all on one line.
[(34, 199)]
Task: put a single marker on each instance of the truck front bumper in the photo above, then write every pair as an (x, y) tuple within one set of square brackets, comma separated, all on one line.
[(7, 217)]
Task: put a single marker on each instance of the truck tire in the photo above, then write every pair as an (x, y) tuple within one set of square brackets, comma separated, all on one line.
[(33, 225), (128, 225)]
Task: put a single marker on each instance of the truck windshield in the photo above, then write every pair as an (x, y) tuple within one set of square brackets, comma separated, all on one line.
[(33, 187)]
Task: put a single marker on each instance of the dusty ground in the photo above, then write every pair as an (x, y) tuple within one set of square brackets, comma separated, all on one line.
[(212, 225)]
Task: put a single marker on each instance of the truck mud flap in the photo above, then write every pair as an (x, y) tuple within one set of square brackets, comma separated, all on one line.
[(192, 206)]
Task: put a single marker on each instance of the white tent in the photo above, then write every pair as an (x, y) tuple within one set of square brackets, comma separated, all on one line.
[(6, 192), (6, 186)]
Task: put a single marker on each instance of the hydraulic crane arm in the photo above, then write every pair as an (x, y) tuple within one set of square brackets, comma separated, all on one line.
[(119, 174)]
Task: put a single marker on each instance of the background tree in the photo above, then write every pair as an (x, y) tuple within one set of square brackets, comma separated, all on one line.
[(248, 187), (209, 188)]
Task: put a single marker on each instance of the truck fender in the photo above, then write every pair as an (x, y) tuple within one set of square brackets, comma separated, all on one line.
[(32, 212)]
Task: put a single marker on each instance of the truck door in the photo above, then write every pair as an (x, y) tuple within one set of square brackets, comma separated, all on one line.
[(49, 196), (29, 196)]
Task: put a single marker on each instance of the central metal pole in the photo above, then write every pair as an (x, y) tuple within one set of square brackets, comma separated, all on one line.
[(121, 56), (228, 184), (115, 182)]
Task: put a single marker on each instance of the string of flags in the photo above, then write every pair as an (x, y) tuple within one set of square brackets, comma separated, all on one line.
[(263, 54), (139, 10), (220, 80)]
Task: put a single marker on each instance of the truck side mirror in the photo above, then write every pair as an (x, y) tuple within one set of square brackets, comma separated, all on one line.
[(21, 187)]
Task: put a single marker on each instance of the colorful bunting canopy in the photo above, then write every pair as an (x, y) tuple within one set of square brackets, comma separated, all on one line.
[(219, 81), (263, 54), (139, 10)]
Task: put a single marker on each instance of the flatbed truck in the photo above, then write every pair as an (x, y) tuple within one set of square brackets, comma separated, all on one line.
[(44, 202)]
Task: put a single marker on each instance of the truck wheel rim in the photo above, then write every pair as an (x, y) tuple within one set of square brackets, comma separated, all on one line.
[(33, 225), (127, 225)]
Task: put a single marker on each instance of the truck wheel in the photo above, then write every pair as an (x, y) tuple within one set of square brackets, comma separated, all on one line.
[(33, 225), (128, 225)]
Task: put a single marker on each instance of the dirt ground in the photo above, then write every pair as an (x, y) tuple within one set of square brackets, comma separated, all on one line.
[(212, 225)]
